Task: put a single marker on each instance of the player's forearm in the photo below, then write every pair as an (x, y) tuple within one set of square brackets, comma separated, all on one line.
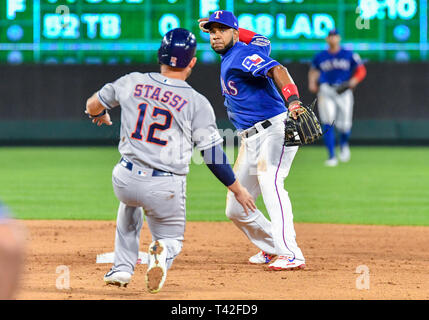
[(94, 106), (218, 164), (313, 76), (284, 83), (235, 187), (313, 80)]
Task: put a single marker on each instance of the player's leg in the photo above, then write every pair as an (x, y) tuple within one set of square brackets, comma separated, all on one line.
[(165, 211), (254, 224), (271, 177), (327, 114), (344, 123), (128, 226), (166, 216)]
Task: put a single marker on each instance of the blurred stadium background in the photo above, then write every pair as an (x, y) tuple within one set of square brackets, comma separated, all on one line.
[(54, 54)]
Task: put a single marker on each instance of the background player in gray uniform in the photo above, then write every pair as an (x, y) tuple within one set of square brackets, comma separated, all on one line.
[(162, 118), (11, 253)]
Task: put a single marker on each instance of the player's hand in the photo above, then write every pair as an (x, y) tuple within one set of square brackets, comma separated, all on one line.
[(243, 197), (246, 200), (104, 119), (201, 23), (353, 83), (295, 108)]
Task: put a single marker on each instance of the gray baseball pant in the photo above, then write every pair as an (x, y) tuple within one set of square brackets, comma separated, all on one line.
[(161, 199)]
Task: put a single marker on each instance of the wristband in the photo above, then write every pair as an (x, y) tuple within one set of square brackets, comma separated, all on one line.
[(98, 115), (290, 92)]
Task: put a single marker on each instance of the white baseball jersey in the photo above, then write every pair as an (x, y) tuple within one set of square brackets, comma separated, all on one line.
[(161, 120)]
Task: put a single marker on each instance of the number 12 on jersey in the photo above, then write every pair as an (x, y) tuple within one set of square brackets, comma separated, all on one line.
[(150, 136)]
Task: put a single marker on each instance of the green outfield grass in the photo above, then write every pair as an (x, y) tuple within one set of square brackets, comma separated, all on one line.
[(381, 185)]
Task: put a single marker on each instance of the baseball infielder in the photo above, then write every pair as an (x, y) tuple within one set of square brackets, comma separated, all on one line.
[(333, 74), (162, 118), (249, 78)]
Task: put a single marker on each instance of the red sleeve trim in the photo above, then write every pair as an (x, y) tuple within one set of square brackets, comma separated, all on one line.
[(245, 35), (360, 73)]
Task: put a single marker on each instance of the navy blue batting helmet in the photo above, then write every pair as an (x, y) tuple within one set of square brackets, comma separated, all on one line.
[(177, 48)]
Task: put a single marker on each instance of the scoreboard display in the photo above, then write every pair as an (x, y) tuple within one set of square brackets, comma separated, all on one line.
[(129, 31)]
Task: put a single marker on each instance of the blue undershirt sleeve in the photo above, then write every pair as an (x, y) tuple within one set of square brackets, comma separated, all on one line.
[(217, 161)]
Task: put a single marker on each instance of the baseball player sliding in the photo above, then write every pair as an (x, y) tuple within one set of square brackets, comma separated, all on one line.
[(162, 117), (251, 82), (333, 74)]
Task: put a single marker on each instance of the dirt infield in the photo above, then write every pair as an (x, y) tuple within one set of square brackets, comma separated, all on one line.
[(213, 264)]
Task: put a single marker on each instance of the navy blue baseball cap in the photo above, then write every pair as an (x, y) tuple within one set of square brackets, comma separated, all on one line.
[(223, 17), (333, 32)]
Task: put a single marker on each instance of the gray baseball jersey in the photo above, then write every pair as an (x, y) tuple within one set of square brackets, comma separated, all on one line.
[(161, 120)]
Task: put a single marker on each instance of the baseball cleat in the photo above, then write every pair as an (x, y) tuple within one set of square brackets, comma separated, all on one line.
[(345, 153), (157, 266), (286, 263), (333, 162), (261, 258), (117, 278)]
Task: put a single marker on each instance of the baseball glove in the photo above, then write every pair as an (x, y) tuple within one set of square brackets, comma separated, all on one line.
[(343, 87), (305, 129)]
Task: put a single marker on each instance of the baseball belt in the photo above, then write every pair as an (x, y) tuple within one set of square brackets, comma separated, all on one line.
[(253, 130), (155, 173)]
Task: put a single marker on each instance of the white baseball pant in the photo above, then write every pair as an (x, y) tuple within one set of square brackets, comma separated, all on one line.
[(335, 107), (262, 165)]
